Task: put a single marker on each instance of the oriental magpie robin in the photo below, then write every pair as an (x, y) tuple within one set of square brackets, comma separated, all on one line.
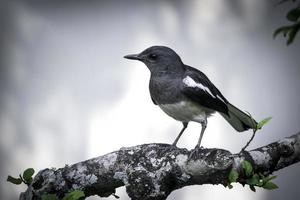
[(185, 93)]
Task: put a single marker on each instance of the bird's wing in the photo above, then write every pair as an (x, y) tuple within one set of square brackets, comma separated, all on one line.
[(197, 87)]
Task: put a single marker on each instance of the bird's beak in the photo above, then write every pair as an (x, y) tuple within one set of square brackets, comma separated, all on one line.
[(133, 57)]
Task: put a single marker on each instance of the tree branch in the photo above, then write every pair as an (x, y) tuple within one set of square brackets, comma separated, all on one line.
[(153, 171)]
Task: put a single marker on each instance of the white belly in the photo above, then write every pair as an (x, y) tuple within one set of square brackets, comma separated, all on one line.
[(186, 111)]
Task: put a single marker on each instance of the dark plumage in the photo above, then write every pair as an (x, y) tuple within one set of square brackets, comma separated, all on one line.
[(185, 93)]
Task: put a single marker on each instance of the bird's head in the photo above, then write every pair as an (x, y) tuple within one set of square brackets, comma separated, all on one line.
[(158, 59)]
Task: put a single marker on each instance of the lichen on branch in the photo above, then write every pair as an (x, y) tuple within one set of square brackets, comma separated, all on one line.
[(153, 171)]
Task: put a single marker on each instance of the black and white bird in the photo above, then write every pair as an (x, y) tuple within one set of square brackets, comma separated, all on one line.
[(185, 93)]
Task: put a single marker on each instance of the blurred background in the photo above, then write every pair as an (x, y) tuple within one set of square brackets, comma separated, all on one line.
[(68, 95)]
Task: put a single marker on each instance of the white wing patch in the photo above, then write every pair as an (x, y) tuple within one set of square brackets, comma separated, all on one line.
[(191, 83), (220, 98)]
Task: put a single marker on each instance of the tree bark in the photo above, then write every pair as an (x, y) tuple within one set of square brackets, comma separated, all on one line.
[(153, 171)]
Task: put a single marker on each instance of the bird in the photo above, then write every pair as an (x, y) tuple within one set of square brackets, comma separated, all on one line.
[(186, 94)]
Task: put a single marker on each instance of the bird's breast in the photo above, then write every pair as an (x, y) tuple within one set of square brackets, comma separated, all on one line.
[(186, 111), (165, 90)]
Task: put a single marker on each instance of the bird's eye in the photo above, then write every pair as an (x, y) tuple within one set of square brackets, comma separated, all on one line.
[(153, 56)]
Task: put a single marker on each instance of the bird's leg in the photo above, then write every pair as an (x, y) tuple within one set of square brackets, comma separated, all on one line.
[(185, 124), (204, 125), (173, 146), (195, 151)]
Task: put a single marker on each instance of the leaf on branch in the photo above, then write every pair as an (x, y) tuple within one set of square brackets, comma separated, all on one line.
[(49, 197), (254, 180), (290, 31), (13, 180), (74, 195), (284, 30), (269, 178), (27, 175), (263, 122), (252, 188), (270, 185), (293, 15), (247, 167), (233, 176), (292, 34)]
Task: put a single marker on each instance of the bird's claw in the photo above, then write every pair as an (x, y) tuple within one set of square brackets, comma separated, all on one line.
[(195, 152)]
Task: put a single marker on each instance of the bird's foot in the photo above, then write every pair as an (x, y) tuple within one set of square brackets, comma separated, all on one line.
[(194, 153)]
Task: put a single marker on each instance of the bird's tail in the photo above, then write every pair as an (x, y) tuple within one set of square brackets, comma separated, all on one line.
[(239, 120)]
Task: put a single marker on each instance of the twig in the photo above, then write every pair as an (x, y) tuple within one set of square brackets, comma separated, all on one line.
[(248, 143)]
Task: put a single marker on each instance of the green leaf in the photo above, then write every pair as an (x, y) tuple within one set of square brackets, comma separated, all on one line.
[(254, 180), (263, 122), (13, 180), (49, 197), (29, 180), (74, 195), (292, 34), (247, 167), (269, 178), (270, 185), (27, 175), (252, 188), (293, 15), (233, 176), (260, 183), (284, 30)]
